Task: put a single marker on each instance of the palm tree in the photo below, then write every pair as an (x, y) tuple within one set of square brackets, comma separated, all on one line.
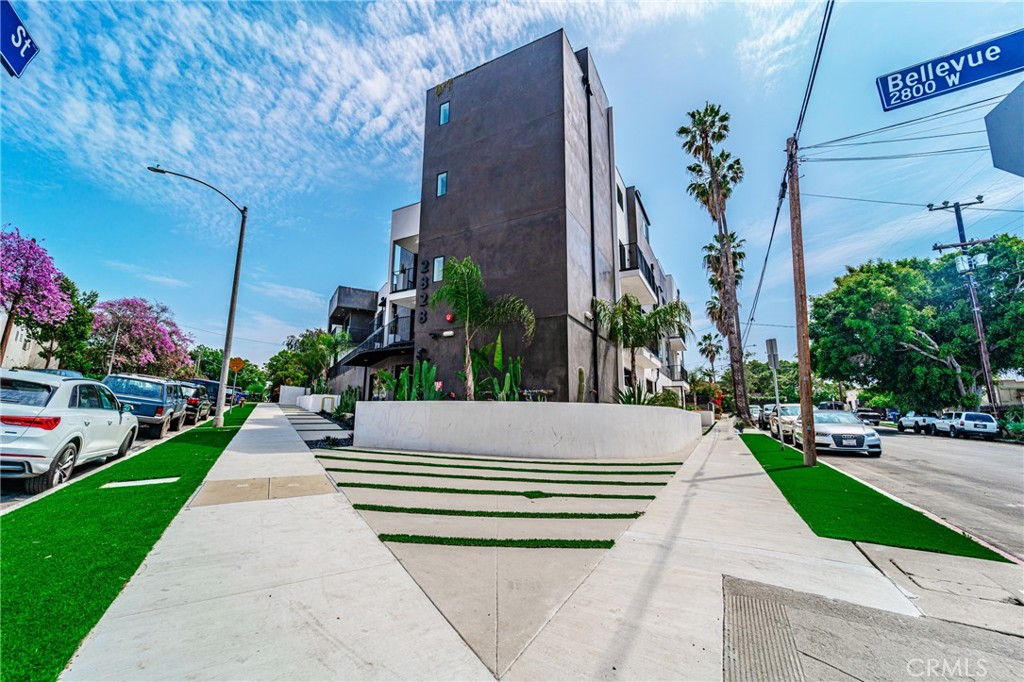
[(463, 291), (713, 264), (630, 326), (709, 127), (710, 346)]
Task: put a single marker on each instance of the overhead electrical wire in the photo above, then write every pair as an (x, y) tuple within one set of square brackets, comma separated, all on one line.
[(889, 157), (896, 139)]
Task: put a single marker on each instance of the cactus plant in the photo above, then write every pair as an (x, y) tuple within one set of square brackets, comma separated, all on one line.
[(581, 384)]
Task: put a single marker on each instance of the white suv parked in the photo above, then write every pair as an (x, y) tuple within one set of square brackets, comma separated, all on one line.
[(964, 424), (917, 420), (49, 424)]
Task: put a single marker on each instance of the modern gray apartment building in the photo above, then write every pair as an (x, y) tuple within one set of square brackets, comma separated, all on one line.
[(519, 174)]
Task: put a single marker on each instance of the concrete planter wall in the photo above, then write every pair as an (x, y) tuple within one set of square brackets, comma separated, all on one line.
[(555, 430), (318, 402), (290, 394), (707, 418)]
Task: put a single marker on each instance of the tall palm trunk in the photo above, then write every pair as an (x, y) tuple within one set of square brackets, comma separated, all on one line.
[(632, 367), (729, 302)]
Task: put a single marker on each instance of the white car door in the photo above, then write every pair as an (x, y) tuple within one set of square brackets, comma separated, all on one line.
[(114, 432), (95, 421)]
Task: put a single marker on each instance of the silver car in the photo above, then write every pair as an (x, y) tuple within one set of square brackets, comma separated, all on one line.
[(840, 431)]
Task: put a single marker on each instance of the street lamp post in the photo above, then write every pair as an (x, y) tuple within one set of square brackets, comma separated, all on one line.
[(218, 419)]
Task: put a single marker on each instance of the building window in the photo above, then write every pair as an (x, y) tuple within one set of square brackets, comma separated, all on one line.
[(442, 184), (647, 228), (444, 113), (618, 192), (439, 268)]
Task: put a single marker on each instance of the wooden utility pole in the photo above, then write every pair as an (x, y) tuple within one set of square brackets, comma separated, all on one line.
[(803, 341), (979, 326)]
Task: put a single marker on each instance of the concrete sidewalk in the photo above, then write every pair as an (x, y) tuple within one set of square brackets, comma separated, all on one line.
[(270, 573), (293, 588)]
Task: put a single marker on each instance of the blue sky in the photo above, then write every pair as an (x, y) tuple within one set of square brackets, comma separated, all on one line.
[(310, 114)]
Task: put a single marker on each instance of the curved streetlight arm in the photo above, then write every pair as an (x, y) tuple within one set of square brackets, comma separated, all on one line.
[(158, 169)]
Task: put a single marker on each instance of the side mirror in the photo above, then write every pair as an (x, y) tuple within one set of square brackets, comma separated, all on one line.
[(125, 407)]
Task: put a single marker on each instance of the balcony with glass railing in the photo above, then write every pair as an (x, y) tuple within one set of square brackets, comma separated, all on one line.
[(636, 274)]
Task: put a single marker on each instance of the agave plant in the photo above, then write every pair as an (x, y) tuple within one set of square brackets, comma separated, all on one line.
[(633, 395)]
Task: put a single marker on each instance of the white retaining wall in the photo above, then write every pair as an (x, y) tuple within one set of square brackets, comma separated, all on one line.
[(707, 418), (318, 402), (289, 394), (519, 429)]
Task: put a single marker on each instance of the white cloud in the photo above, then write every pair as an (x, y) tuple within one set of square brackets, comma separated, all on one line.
[(146, 274), (292, 296), (264, 100), (781, 33)]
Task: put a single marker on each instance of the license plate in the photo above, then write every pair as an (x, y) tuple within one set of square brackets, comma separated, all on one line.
[(849, 441), (979, 426)]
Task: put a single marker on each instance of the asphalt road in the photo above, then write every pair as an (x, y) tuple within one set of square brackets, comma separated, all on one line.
[(973, 484), (12, 490)]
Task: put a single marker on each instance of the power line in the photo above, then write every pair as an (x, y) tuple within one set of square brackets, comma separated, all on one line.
[(869, 201), (888, 157), (822, 32), (896, 139), (240, 338), (929, 117)]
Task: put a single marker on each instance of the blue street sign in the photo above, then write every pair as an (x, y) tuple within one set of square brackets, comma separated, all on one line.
[(957, 70), (16, 46)]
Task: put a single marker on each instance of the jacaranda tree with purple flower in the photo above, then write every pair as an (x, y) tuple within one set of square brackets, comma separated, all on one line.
[(30, 288), (148, 339)]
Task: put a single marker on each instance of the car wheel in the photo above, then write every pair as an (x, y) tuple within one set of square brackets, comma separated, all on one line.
[(126, 444), (176, 423), (160, 430), (935, 430), (60, 471), (952, 432), (917, 428), (900, 427)]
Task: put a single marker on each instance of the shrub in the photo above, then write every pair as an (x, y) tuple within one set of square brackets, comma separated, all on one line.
[(633, 396), (417, 385), (666, 398)]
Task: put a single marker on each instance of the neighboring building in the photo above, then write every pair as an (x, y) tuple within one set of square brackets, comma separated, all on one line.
[(22, 350), (519, 174), (1010, 391)]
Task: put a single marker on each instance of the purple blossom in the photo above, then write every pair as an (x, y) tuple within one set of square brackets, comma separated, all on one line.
[(148, 339), (29, 284)]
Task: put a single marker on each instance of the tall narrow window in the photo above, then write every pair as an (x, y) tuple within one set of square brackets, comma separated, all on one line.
[(439, 268), (444, 112), (618, 191), (442, 184)]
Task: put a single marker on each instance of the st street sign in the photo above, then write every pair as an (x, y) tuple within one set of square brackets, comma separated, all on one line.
[(16, 46), (971, 66)]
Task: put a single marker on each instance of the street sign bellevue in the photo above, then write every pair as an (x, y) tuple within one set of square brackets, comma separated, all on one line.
[(16, 46), (973, 65)]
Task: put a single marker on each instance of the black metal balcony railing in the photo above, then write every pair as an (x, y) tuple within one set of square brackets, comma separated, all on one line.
[(675, 372), (398, 330), (631, 257), (356, 334), (403, 280)]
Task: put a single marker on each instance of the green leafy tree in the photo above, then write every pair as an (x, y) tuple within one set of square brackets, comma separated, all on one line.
[(285, 368), (464, 293), (713, 264), (69, 340), (631, 327), (207, 362), (317, 351), (713, 176)]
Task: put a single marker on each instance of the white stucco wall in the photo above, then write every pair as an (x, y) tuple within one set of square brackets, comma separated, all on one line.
[(554, 430), (318, 402), (289, 394)]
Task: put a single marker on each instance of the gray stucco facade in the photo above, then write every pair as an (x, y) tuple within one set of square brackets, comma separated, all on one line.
[(522, 186)]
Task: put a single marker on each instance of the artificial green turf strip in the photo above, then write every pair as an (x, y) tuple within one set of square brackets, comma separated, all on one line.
[(496, 542), (648, 484), (67, 556), (532, 494), (508, 460), (836, 506), (494, 514), (235, 417), (486, 468)]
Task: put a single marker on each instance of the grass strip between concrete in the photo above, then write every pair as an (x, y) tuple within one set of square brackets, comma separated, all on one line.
[(487, 468), (507, 479), (234, 417), (498, 542), (532, 494), (67, 556), (509, 460), (495, 514), (837, 506)]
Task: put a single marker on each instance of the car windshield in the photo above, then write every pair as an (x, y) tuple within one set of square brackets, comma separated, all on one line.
[(135, 387), (978, 417), (24, 392), (789, 411), (835, 418), (189, 391)]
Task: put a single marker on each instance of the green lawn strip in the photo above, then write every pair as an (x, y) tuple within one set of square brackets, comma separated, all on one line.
[(67, 556), (493, 513), (497, 542), (837, 506), (234, 417), (510, 460), (487, 468), (532, 494), (513, 479)]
